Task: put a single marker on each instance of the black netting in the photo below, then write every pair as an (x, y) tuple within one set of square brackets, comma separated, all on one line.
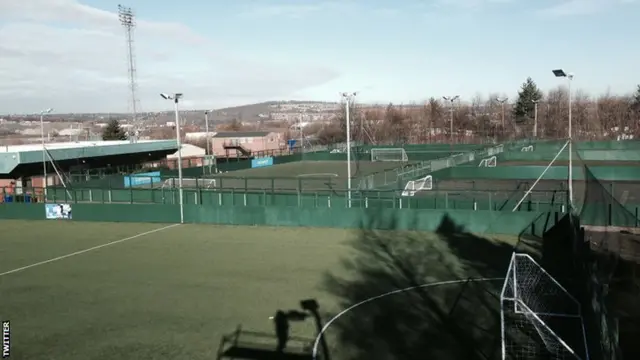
[(607, 251)]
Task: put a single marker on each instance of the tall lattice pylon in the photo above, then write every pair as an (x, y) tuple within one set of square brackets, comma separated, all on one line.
[(127, 19)]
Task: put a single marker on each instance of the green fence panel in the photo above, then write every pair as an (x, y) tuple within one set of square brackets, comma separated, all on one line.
[(126, 213), (340, 217), (28, 211), (607, 173)]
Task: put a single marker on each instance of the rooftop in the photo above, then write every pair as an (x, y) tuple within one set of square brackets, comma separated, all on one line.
[(68, 145), (237, 134)]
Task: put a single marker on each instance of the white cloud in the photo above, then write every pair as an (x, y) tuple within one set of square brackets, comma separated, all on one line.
[(63, 54), (582, 7)]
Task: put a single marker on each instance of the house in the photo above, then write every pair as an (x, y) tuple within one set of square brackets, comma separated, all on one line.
[(246, 143)]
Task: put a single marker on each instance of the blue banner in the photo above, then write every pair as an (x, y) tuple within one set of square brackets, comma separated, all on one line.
[(142, 179), (261, 162)]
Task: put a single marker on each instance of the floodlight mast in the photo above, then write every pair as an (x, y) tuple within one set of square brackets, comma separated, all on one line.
[(451, 99), (535, 118), (44, 152), (176, 99), (206, 129), (569, 76), (348, 97)]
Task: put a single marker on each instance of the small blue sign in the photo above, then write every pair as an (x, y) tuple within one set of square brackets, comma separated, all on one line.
[(142, 179), (261, 162), (291, 143)]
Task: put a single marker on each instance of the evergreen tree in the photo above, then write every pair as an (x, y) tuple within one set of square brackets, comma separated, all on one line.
[(635, 100), (114, 131), (525, 105)]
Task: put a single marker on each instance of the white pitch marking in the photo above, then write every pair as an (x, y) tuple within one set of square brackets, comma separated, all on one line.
[(87, 250), (314, 354)]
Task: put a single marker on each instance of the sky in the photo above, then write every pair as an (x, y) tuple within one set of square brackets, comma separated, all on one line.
[(71, 55)]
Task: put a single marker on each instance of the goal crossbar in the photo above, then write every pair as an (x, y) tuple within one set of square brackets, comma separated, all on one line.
[(389, 154), (489, 162), (414, 186), (174, 183)]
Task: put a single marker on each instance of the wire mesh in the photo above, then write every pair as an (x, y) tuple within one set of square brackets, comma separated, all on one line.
[(609, 259)]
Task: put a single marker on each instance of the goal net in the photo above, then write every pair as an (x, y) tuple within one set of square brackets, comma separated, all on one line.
[(389, 154), (189, 183), (489, 162), (413, 186), (540, 319)]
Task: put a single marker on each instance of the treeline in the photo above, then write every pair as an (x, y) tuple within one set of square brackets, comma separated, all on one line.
[(486, 119)]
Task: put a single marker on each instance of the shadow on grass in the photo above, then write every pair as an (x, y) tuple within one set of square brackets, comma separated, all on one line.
[(456, 320)]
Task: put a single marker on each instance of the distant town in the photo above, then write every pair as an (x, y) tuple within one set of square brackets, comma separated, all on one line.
[(26, 129)]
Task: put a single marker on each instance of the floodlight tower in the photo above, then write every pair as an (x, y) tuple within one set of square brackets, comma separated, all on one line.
[(451, 99), (206, 130), (502, 101), (176, 99), (569, 76), (535, 118), (44, 150), (127, 19), (348, 97)]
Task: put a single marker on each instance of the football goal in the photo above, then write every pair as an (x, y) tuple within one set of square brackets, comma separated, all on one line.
[(189, 183), (413, 186), (389, 154), (540, 319), (489, 162), (527, 148)]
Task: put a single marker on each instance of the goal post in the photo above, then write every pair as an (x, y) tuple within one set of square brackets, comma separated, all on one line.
[(189, 183), (389, 154), (489, 162), (540, 319), (414, 186)]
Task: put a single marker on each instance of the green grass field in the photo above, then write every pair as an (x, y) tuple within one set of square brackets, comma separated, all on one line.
[(168, 294)]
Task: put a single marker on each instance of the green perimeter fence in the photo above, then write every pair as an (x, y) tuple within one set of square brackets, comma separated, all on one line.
[(532, 172), (490, 222), (466, 199)]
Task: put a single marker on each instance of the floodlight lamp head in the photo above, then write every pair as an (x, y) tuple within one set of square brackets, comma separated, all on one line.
[(47, 111), (166, 96), (559, 73)]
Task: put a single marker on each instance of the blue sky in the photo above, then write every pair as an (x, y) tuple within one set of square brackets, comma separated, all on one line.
[(228, 53)]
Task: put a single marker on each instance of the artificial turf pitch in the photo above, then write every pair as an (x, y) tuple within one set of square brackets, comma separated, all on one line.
[(169, 294)]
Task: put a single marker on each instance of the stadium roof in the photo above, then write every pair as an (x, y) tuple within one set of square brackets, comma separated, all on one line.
[(68, 145), (23, 160)]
